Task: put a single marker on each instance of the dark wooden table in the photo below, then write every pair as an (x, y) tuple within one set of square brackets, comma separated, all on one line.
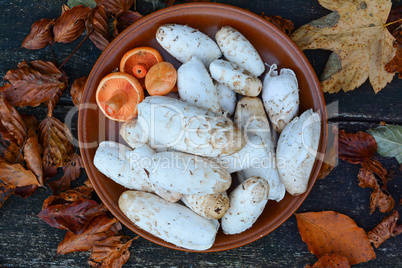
[(27, 241)]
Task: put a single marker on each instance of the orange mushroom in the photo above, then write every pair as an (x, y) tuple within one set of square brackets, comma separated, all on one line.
[(161, 78), (118, 96)]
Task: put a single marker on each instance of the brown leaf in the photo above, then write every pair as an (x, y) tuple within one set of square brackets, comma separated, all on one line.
[(12, 121), (331, 153), (110, 252), (115, 6), (331, 261), (40, 36), (15, 174), (72, 171), (68, 196), (284, 25), (361, 45), (394, 15), (100, 228), (395, 65), (124, 19), (71, 24), (331, 232), (77, 89), (5, 191), (9, 150), (30, 121), (97, 27), (55, 137), (33, 84), (356, 148), (373, 175), (86, 188), (385, 229), (73, 217), (32, 155)]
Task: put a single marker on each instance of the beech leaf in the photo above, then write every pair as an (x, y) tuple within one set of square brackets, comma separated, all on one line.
[(69, 196), (331, 232), (87, 3), (32, 155), (71, 24), (284, 25), (110, 252), (73, 217), (77, 88), (99, 228), (387, 228), (115, 6), (33, 84), (389, 141), (5, 191), (11, 120), (124, 19), (97, 26), (361, 45), (331, 261), (15, 174), (357, 147), (72, 171), (40, 36), (55, 138), (30, 121)]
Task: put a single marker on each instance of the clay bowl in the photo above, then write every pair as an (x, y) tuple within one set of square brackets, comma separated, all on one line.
[(273, 46)]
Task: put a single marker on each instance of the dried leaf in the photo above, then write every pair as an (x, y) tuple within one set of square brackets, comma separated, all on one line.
[(331, 153), (33, 84), (394, 15), (395, 65), (284, 25), (110, 252), (77, 89), (389, 141), (11, 120), (356, 148), (68, 196), (100, 228), (32, 155), (5, 191), (331, 232), (72, 171), (15, 174), (71, 24), (115, 6), (124, 19), (30, 121), (87, 3), (379, 197), (85, 189), (55, 137), (97, 27), (9, 149), (40, 36), (73, 217), (361, 45), (331, 261), (385, 229)]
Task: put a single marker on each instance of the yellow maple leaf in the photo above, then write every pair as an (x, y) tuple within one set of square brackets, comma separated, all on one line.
[(356, 33)]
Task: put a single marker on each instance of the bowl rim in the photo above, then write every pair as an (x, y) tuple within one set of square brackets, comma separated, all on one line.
[(310, 76)]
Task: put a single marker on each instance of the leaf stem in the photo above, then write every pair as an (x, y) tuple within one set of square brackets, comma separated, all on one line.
[(392, 22), (75, 50)]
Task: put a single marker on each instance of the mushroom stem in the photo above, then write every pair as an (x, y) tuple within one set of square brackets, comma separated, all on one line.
[(115, 102)]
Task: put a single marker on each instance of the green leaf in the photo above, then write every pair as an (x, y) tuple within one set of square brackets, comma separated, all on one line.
[(389, 141), (87, 3)]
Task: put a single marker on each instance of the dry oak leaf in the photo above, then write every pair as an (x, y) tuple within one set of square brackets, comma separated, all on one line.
[(387, 228), (55, 138), (40, 36), (72, 171), (99, 228), (284, 25), (124, 19), (97, 26), (32, 155), (5, 191), (77, 88), (33, 84), (357, 147), (361, 45), (110, 252), (74, 216), (71, 24), (331, 261), (115, 6), (15, 174), (329, 232)]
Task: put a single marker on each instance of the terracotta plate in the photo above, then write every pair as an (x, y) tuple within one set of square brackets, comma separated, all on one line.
[(273, 46)]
